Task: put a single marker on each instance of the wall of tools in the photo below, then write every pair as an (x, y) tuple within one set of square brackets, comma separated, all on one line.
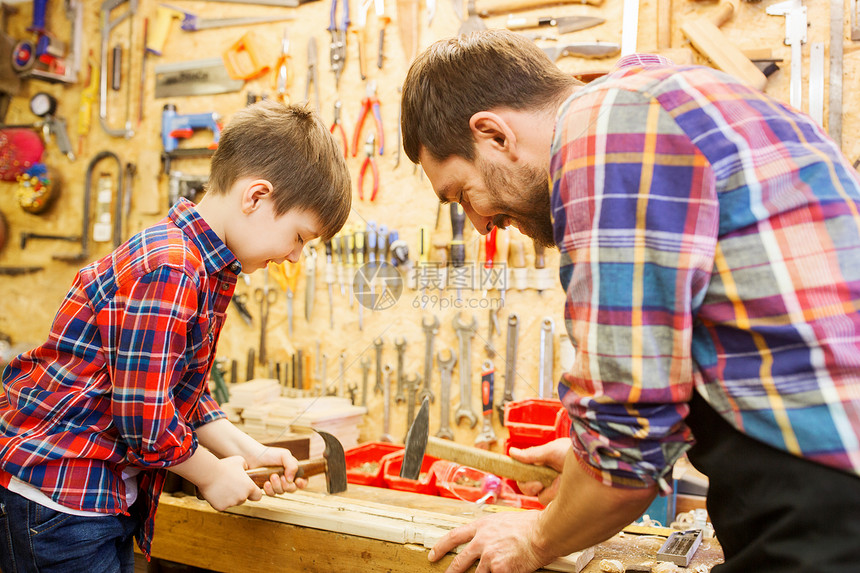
[(111, 133)]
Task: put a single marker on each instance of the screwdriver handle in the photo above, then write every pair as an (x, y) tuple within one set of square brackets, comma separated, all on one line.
[(359, 248), (371, 241), (490, 248), (458, 246), (540, 261)]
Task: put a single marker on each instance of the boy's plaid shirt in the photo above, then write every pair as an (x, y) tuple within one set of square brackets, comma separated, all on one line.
[(122, 380)]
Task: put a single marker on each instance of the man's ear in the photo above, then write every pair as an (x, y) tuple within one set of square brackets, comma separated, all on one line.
[(493, 134), (253, 194)]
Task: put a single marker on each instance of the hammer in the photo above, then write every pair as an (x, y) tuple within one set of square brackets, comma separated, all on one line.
[(332, 463), (418, 442)]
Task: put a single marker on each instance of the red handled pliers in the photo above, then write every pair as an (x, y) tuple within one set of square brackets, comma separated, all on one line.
[(370, 102), (337, 125), (370, 160)]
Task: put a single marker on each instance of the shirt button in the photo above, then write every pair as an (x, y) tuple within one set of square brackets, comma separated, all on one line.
[(225, 286), (235, 267)]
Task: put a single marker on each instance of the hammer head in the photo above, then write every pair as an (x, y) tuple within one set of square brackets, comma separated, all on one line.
[(335, 473), (416, 443)]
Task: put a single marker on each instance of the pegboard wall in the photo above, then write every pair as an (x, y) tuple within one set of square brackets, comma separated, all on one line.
[(405, 201)]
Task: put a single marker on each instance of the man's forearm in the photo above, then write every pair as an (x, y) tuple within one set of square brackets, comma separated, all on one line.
[(586, 512)]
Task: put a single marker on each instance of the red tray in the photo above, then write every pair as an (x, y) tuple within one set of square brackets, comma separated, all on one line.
[(426, 482), (531, 422), (368, 452)]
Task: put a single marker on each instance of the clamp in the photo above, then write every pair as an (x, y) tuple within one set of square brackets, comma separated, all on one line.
[(338, 126), (370, 102), (337, 48), (371, 161)]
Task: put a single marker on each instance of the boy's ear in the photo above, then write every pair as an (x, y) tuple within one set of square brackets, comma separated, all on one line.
[(493, 134), (253, 193)]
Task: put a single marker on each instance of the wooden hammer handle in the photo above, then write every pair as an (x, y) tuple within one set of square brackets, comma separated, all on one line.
[(491, 462), (307, 468)]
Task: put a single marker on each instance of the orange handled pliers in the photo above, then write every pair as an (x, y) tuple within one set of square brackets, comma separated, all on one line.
[(337, 125), (369, 103), (370, 160)]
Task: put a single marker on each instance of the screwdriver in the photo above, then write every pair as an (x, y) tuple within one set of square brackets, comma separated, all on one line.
[(503, 242), (350, 265), (540, 267), (518, 262), (329, 279), (489, 255), (358, 245), (457, 250), (343, 250), (423, 258), (371, 259)]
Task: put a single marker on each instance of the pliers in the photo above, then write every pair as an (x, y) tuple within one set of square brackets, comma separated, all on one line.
[(370, 102), (337, 49), (338, 126), (370, 160)]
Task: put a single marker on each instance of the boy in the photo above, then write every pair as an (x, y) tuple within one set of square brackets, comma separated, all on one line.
[(93, 418)]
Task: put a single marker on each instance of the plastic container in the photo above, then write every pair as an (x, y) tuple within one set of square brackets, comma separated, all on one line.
[(364, 462), (426, 482), (531, 422)]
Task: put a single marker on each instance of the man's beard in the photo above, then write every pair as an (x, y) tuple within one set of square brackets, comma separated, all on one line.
[(523, 196)]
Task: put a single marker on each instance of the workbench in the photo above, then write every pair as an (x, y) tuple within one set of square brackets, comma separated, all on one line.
[(310, 531)]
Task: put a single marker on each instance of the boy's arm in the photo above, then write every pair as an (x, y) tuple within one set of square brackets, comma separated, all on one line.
[(224, 439), (222, 482)]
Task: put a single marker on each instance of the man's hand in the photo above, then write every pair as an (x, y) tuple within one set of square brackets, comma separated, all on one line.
[(502, 542), (229, 485), (279, 484), (551, 454)]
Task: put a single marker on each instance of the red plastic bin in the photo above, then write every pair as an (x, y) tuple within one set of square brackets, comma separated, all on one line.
[(531, 422), (368, 452), (426, 482)]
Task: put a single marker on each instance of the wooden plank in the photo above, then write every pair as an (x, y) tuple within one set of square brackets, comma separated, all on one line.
[(373, 521), (255, 537), (707, 38)]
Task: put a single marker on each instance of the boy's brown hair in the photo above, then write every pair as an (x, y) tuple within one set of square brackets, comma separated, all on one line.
[(457, 77), (290, 146)]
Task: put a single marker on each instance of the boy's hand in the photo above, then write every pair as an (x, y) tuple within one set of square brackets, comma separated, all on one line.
[(551, 454), (280, 484), (230, 485)]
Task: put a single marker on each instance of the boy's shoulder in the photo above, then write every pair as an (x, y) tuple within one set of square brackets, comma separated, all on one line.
[(161, 245)]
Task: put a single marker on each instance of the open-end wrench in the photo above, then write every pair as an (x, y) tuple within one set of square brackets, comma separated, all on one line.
[(547, 330), (412, 384), (386, 405), (365, 378), (400, 345), (430, 331), (446, 368), (487, 437), (510, 364), (377, 344), (465, 332)]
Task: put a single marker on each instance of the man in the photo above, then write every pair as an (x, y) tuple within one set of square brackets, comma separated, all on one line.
[(710, 253)]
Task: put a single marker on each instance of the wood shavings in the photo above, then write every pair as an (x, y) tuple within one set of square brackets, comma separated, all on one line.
[(702, 569), (611, 566), (665, 567)]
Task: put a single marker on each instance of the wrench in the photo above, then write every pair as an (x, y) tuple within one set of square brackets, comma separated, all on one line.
[(412, 384), (547, 328), (465, 332), (487, 437), (377, 344), (400, 345), (430, 331), (365, 378), (446, 368), (510, 365), (386, 406)]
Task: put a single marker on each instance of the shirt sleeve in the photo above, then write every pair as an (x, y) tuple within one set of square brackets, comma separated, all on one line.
[(207, 411), (635, 209), (151, 362)]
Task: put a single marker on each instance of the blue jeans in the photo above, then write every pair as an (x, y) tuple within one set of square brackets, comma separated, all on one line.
[(34, 538)]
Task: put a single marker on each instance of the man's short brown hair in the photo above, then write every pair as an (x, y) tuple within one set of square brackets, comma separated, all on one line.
[(291, 147), (457, 77)]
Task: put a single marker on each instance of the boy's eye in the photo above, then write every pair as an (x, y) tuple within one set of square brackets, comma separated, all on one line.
[(301, 241)]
